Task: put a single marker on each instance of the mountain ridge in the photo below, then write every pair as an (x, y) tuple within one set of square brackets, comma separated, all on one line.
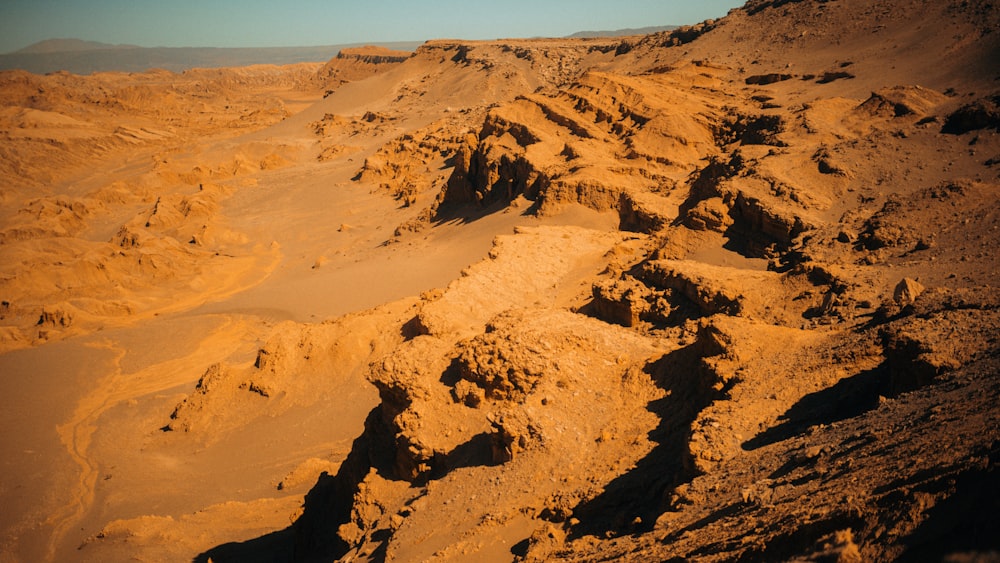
[(647, 30), (123, 58), (80, 56), (64, 45)]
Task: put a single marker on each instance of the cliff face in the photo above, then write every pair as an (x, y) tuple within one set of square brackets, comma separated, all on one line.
[(373, 55), (358, 63)]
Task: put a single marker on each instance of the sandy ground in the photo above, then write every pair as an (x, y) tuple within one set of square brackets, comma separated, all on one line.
[(720, 293), (90, 409)]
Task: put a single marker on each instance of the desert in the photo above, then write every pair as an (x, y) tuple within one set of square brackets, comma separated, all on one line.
[(724, 292)]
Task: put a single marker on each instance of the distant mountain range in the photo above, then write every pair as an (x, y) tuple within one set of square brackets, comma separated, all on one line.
[(85, 57), (625, 32), (67, 45)]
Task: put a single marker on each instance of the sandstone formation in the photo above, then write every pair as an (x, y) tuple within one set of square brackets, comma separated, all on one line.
[(357, 63)]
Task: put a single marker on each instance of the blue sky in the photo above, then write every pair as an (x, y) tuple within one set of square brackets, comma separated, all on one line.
[(273, 23)]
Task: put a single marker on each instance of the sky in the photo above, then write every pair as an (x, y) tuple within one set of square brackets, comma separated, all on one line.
[(294, 23)]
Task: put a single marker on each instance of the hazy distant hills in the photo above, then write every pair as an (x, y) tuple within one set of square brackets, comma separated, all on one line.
[(85, 57), (625, 32), (66, 45)]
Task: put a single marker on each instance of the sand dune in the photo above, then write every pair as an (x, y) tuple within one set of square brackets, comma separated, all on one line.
[(721, 292)]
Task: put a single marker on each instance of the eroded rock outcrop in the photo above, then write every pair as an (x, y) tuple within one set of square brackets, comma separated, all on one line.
[(605, 142), (358, 63), (941, 332)]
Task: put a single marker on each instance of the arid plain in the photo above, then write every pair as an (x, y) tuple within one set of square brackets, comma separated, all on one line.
[(721, 293)]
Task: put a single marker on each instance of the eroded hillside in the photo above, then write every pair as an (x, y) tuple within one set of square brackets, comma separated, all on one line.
[(724, 292)]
